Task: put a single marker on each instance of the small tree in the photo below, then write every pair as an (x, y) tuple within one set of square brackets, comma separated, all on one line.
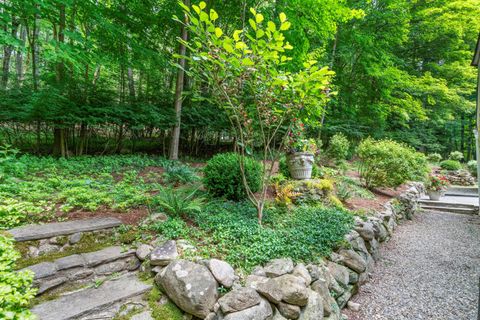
[(243, 72)]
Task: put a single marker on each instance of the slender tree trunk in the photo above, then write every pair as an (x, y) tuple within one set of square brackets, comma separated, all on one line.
[(59, 145), (131, 84), (7, 54), (173, 154), (19, 56)]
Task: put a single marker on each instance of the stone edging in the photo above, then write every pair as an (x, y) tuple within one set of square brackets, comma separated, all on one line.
[(281, 290)]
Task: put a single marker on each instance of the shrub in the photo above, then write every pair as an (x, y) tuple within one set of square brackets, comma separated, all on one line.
[(177, 202), (339, 147), (434, 157), (456, 156), (223, 177), (472, 167), (15, 287), (450, 165), (387, 163), (177, 174)]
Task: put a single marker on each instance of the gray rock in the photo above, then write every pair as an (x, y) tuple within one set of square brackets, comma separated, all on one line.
[(157, 269), (278, 267), (50, 284), (301, 271), (354, 277), (49, 230), (33, 251), (106, 255), (132, 263), (47, 248), (164, 254), (353, 260), (143, 251), (77, 304), (43, 270), (339, 273), (373, 248), (259, 271), (289, 311), (262, 311), (253, 281), (190, 286), (314, 271), (353, 306), (238, 300), (314, 308), (322, 288), (68, 262), (80, 274), (358, 244), (145, 315), (345, 297), (75, 238), (222, 271), (365, 230), (286, 288), (184, 245), (109, 268), (278, 316)]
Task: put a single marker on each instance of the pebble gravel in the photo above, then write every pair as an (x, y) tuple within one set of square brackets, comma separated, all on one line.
[(430, 269)]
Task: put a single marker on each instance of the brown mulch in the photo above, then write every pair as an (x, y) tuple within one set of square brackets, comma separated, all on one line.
[(133, 217), (382, 196)]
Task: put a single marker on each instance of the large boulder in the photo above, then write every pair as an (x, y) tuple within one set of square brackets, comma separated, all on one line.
[(191, 286), (287, 288), (340, 273), (314, 307), (278, 267), (301, 271), (289, 311), (164, 254), (353, 260), (238, 300), (222, 271), (262, 311)]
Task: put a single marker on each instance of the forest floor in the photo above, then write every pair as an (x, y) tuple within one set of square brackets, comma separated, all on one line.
[(428, 270)]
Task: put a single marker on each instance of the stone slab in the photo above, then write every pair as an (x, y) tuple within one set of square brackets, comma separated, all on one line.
[(91, 300), (43, 269), (106, 255), (68, 262), (49, 230)]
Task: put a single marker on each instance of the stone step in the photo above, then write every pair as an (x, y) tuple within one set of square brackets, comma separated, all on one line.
[(91, 300), (462, 191), (49, 230), (82, 267), (446, 204), (451, 209)]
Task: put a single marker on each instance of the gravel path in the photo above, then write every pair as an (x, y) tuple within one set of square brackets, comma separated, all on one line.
[(429, 270)]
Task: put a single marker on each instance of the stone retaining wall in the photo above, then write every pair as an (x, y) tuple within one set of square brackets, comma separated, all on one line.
[(280, 289), (82, 268)]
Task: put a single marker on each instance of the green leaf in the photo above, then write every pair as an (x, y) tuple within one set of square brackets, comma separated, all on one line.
[(271, 26), (285, 26), (204, 16), (196, 9), (228, 47), (247, 62), (260, 33), (259, 18), (202, 5), (283, 17), (213, 15), (218, 32), (252, 24), (236, 35)]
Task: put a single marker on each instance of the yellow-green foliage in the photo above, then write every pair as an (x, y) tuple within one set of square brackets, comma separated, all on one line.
[(15, 287), (325, 185), (162, 311), (285, 194)]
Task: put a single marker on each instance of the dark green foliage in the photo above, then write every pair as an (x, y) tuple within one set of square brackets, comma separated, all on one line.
[(177, 174), (450, 165), (223, 177), (305, 234), (177, 202), (387, 163), (172, 228)]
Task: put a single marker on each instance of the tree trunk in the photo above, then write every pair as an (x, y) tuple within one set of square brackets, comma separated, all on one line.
[(173, 154), (19, 56), (131, 84), (7, 54), (59, 147)]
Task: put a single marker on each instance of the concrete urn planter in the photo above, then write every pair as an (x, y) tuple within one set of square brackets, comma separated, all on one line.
[(300, 165), (435, 195)]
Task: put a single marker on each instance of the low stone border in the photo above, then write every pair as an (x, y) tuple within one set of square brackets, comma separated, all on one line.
[(280, 289), (80, 268)]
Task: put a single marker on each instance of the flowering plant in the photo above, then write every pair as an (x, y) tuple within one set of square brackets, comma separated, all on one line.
[(437, 183), (296, 141)]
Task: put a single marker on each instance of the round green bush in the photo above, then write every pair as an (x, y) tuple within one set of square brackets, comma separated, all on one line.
[(339, 147), (223, 177), (455, 156), (450, 165), (472, 167), (386, 163), (434, 157)]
